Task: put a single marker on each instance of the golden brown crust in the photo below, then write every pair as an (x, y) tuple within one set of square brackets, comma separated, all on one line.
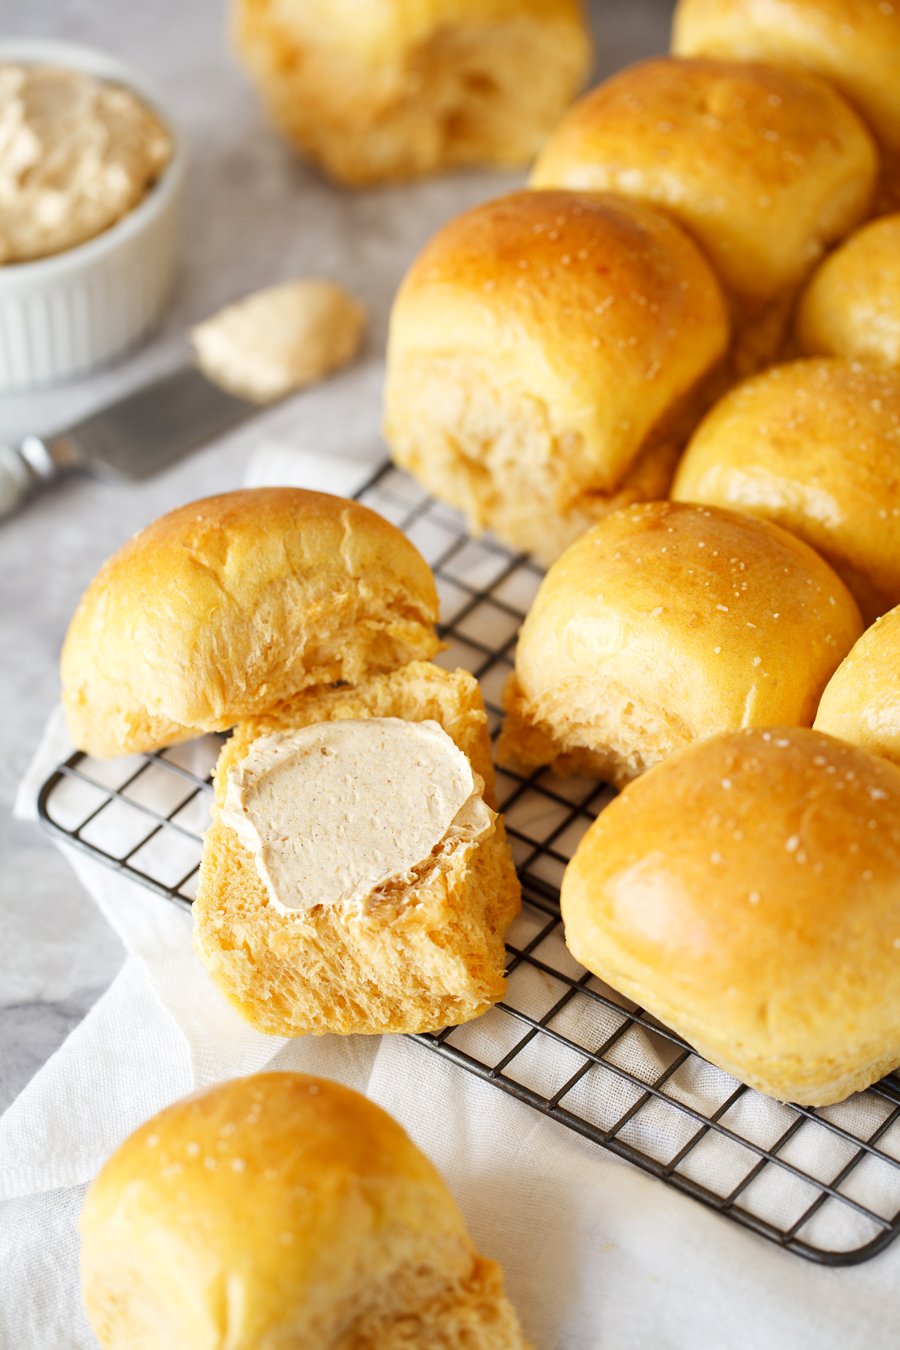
[(282, 1209), (764, 929), (229, 605), (855, 44), (815, 447), (764, 167), (541, 345), (665, 624), (861, 702), (851, 307), (399, 90), (424, 957)]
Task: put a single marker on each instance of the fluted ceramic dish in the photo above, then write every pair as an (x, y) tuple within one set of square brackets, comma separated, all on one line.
[(67, 313)]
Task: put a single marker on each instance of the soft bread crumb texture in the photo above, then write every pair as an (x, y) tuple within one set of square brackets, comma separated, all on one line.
[(391, 90), (423, 955), (282, 1210), (851, 307), (861, 702), (815, 447), (280, 339), (549, 353), (665, 624), (765, 167), (230, 605), (854, 44), (765, 928)]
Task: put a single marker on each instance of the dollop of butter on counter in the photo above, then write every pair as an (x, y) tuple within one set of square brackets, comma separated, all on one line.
[(333, 812), (279, 339), (76, 154)]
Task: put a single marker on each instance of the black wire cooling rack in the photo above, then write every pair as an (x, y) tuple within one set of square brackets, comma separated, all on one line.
[(823, 1183)]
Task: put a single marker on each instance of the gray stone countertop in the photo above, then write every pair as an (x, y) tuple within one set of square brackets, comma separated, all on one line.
[(253, 214)]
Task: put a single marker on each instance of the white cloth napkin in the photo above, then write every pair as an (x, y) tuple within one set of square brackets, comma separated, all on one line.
[(596, 1254)]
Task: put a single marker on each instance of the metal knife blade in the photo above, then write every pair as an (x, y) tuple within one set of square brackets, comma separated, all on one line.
[(129, 439)]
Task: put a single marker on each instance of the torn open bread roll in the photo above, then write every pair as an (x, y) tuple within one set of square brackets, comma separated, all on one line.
[(227, 606), (354, 877)]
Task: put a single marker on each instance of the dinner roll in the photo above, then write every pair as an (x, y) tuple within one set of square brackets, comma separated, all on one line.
[(226, 606), (764, 167), (282, 1210), (815, 447), (853, 43), (861, 702), (389, 89), (851, 307), (418, 952), (745, 893), (545, 361), (667, 623)]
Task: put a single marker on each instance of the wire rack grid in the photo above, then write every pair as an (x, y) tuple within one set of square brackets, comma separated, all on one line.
[(823, 1183)]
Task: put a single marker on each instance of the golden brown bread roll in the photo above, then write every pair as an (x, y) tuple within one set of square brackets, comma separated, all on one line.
[(391, 90), (745, 893), (851, 307), (853, 43), (423, 952), (815, 447), (764, 167), (665, 624), (223, 608), (861, 702), (544, 359), (283, 1210)]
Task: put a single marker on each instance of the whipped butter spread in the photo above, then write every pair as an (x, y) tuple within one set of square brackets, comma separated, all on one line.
[(334, 812), (279, 339), (76, 154)]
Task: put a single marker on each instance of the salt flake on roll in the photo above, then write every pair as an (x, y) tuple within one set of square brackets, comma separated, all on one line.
[(745, 893), (549, 354), (282, 1210), (667, 623)]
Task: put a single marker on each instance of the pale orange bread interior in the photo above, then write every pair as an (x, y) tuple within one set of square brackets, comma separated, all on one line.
[(815, 447), (855, 44), (549, 353), (667, 623), (390, 90), (230, 605), (765, 168), (283, 1210), (851, 306), (745, 893), (423, 956), (861, 702)]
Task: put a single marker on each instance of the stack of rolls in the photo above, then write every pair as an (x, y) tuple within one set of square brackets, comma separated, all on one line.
[(550, 353), (542, 380), (355, 877)]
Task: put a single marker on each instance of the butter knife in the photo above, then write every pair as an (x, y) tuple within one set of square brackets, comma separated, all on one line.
[(128, 440)]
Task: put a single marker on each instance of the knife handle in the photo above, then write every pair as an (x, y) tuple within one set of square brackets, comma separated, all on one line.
[(25, 467)]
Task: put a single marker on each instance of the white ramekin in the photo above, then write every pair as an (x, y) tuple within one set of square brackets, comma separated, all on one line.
[(64, 314)]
